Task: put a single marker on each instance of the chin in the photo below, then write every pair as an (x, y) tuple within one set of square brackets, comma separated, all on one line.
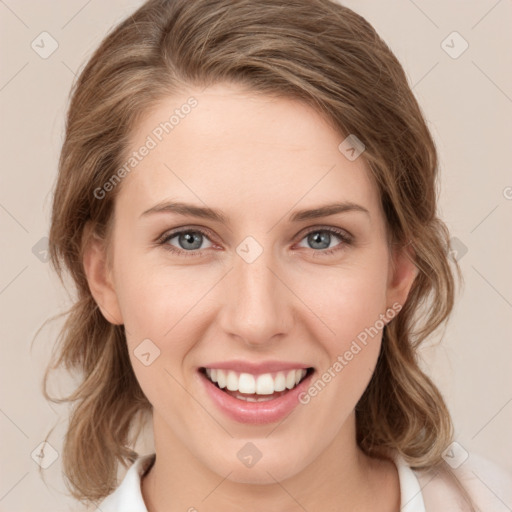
[(260, 471)]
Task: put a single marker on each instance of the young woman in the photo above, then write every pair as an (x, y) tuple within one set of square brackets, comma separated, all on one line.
[(246, 202)]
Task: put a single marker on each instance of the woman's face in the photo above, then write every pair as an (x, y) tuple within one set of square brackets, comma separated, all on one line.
[(257, 291)]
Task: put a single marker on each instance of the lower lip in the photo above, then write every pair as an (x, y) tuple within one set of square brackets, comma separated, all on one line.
[(256, 413)]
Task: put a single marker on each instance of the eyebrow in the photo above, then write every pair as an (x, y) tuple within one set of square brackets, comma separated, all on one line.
[(216, 215)]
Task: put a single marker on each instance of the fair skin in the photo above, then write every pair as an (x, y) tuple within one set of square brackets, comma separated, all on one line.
[(258, 159)]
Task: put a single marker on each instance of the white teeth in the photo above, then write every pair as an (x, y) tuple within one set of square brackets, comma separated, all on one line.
[(232, 381), (265, 384), (221, 378), (280, 382), (251, 399), (246, 383), (290, 380)]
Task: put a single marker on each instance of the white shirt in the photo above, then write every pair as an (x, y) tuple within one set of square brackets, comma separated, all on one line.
[(420, 491)]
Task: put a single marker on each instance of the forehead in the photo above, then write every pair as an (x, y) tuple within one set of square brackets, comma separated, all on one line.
[(229, 147)]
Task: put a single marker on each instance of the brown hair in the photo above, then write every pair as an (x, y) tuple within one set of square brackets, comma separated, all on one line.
[(322, 54)]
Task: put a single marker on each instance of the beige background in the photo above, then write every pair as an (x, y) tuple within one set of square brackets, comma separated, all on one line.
[(468, 104)]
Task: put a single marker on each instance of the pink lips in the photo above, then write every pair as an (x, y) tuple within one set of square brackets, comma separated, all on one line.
[(256, 413)]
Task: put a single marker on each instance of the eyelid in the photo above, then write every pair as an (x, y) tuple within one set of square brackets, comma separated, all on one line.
[(346, 238), (162, 240), (207, 232), (342, 233), (183, 229)]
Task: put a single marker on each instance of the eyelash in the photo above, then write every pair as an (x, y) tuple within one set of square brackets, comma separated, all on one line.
[(345, 238)]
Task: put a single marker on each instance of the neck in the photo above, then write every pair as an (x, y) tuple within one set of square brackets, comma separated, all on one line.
[(343, 476)]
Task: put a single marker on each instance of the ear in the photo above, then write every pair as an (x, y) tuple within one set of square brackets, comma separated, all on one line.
[(401, 274), (99, 276)]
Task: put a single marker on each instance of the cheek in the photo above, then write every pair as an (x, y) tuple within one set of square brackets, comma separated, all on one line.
[(349, 302), (337, 305), (163, 316), (352, 308), (157, 301), (153, 297)]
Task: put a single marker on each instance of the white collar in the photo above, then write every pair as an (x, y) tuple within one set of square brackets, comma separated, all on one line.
[(411, 497), (128, 496)]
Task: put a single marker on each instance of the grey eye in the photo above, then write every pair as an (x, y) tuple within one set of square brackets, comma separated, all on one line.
[(187, 240), (190, 240), (319, 239)]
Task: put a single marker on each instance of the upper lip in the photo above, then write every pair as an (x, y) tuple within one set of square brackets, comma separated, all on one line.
[(256, 368)]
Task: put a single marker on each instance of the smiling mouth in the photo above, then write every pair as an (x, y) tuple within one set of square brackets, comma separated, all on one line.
[(256, 388)]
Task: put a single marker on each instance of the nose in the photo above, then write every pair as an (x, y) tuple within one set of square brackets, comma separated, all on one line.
[(257, 307)]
